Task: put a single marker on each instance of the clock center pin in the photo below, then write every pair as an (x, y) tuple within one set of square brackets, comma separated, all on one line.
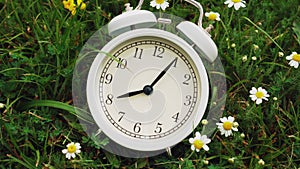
[(148, 90)]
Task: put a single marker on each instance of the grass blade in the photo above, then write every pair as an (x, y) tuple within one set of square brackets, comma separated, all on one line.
[(60, 105)]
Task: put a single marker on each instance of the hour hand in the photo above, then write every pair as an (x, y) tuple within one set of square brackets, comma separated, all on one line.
[(129, 94), (147, 90)]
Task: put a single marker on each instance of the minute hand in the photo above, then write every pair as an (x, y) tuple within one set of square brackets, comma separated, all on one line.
[(163, 73)]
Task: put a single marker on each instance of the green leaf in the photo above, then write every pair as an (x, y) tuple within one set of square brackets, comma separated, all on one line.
[(113, 160), (215, 167), (141, 163), (187, 164)]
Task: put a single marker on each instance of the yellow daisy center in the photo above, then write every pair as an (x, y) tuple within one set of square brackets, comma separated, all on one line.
[(212, 16), (296, 57), (227, 125), (72, 148), (198, 144), (236, 1), (259, 95), (159, 1)]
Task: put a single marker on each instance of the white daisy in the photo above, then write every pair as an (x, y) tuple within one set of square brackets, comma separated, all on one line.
[(163, 4), (72, 149), (258, 94), (227, 126), (199, 142), (236, 3), (294, 59), (213, 16)]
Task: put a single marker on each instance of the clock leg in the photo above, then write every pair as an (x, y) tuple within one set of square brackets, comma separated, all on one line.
[(98, 132), (168, 149)]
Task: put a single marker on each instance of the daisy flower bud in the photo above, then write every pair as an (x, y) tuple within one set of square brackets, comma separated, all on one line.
[(280, 54), (261, 162), (204, 122), (206, 162), (231, 160), (2, 105)]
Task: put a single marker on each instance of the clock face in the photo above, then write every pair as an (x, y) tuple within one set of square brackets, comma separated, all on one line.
[(152, 94)]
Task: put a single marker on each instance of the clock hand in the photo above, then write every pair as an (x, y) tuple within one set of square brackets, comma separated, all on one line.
[(129, 94), (163, 73), (147, 90)]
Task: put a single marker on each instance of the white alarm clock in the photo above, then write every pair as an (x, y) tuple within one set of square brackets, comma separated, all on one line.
[(147, 88)]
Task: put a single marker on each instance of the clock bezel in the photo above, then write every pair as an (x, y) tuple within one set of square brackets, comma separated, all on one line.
[(143, 144)]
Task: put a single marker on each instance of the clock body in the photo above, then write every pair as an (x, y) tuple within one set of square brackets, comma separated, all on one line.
[(147, 89)]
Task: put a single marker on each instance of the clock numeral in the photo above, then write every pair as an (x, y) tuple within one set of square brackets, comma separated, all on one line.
[(187, 78), (109, 99), (158, 51), (188, 100), (158, 128), (175, 117), (108, 78), (137, 127), (122, 115), (122, 63), (138, 53)]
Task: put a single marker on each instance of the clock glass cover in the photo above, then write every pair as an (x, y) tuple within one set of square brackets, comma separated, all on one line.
[(144, 90)]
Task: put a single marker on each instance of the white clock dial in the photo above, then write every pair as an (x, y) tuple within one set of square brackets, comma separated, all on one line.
[(152, 94)]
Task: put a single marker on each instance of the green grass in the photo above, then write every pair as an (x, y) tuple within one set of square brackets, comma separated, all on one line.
[(39, 45)]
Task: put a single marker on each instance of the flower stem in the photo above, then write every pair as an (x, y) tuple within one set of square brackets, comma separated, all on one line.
[(190, 155)]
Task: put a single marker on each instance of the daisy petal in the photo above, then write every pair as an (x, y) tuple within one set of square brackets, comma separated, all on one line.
[(258, 101), (230, 5), (253, 90), (230, 118), (64, 151), (290, 57), (192, 147), (205, 147), (223, 119), (227, 2)]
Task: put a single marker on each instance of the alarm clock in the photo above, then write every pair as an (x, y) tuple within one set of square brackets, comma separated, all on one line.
[(146, 84)]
